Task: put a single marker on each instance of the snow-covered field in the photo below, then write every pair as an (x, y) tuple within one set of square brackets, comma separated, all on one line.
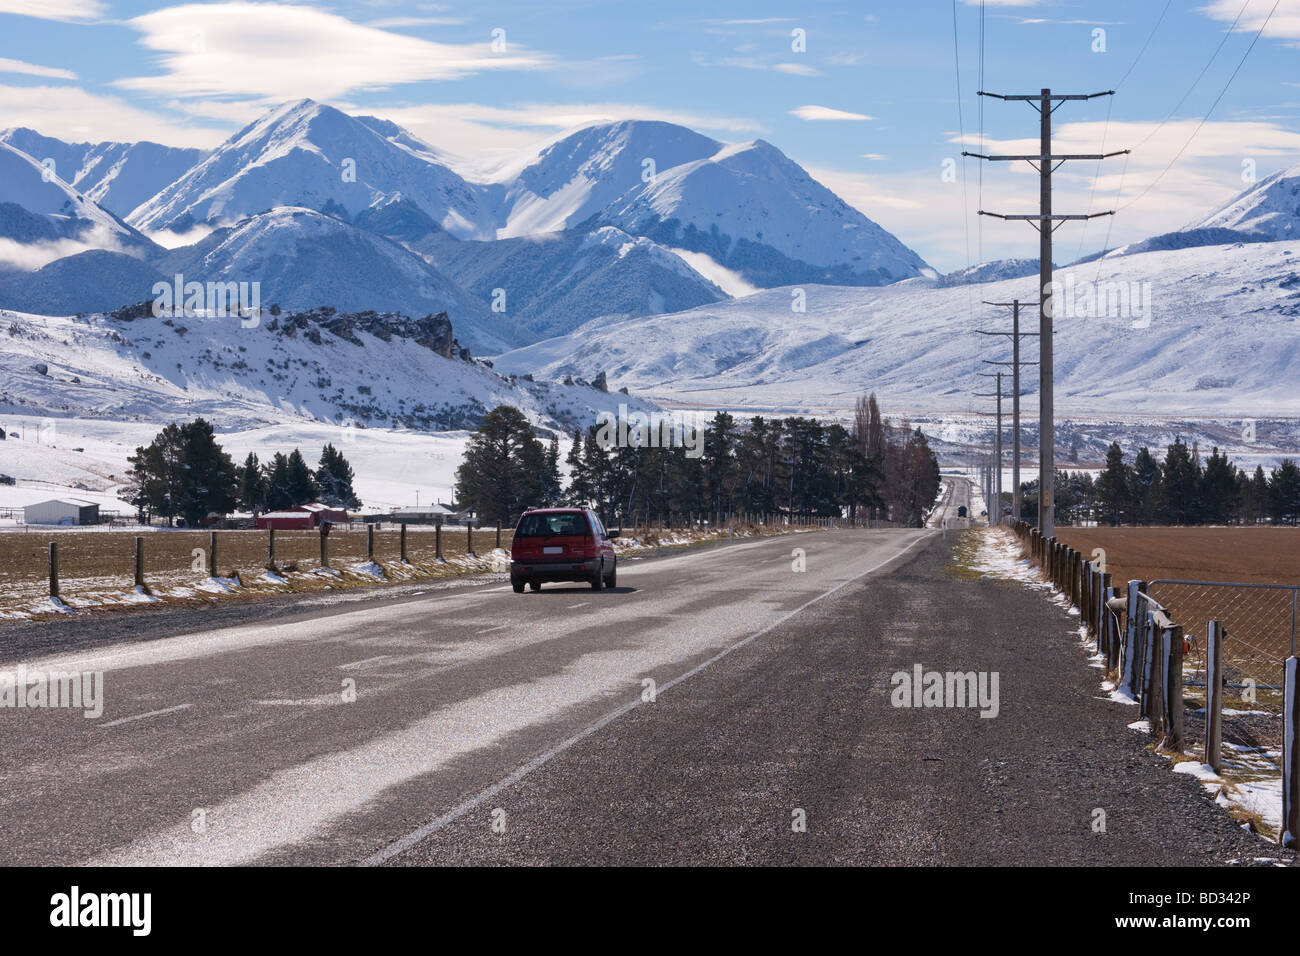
[(391, 467)]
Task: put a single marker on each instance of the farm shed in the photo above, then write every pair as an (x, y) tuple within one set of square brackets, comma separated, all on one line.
[(70, 511)]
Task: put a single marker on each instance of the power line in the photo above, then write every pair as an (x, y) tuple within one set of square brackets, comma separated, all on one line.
[(1105, 132), (961, 132), (1205, 119)]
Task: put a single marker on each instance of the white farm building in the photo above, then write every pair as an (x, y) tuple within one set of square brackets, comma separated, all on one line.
[(62, 511)]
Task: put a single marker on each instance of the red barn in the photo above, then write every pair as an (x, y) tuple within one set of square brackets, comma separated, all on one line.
[(302, 517)]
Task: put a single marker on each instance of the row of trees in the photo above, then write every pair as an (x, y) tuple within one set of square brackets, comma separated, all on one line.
[(795, 465), (1180, 490), (185, 474)]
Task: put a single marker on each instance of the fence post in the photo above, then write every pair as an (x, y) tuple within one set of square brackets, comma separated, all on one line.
[(370, 542), (139, 562), (213, 556), (1171, 692), (437, 540), (1132, 653), (270, 548), (54, 570), (404, 561), (1153, 706), (498, 535), (1103, 613), (1291, 756), (1109, 628), (1085, 597), (324, 546), (1214, 696), (469, 538), (1150, 687)]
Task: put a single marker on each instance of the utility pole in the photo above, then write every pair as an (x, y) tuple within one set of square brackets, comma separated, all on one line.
[(995, 479), (1045, 222), (1015, 364)]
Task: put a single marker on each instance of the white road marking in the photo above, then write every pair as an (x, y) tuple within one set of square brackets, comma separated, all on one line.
[(152, 713), (499, 627), (415, 836), (368, 660), (573, 606)]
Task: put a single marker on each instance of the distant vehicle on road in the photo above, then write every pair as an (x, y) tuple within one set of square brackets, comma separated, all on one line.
[(562, 544), (961, 511)]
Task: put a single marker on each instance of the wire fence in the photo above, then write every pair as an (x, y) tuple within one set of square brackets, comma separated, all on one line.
[(1211, 664)]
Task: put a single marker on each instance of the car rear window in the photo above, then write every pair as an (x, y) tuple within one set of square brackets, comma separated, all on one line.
[(549, 525)]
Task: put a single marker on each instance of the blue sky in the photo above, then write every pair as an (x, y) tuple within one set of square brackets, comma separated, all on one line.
[(869, 105)]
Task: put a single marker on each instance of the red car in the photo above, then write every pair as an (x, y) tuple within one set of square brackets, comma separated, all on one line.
[(562, 544)]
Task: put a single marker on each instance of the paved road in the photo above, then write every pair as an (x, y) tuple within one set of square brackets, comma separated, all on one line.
[(246, 730), (493, 727)]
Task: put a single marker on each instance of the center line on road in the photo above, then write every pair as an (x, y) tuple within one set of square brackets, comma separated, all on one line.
[(572, 606), (499, 627), (152, 713), (433, 826)]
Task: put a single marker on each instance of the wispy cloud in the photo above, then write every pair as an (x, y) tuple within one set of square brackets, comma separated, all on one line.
[(826, 113), (31, 69), (285, 52), (68, 10), (75, 114)]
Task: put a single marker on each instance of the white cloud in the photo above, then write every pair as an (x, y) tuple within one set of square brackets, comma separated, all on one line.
[(31, 69), (73, 114), (796, 69), (1285, 23), (69, 10), (826, 113), (926, 213), (286, 52)]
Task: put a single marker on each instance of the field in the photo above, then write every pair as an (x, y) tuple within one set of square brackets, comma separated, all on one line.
[(1253, 555)]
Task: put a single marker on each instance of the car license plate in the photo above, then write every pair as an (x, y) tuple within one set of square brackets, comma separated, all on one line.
[(552, 551)]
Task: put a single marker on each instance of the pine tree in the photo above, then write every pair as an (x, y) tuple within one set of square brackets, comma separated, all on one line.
[(301, 484), (501, 472), (334, 476), (252, 486), (1115, 486), (1284, 492), (278, 495)]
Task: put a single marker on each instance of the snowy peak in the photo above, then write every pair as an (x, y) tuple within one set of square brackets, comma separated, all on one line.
[(575, 177), (117, 176), (1270, 209), (752, 209), (311, 155), (40, 207)]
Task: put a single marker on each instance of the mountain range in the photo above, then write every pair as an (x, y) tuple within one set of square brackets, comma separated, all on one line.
[(322, 207), (640, 249)]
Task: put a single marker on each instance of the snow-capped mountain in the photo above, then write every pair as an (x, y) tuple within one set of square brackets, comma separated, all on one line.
[(1219, 334), (578, 175), (552, 283), (117, 176), (39, 210), (308, 154), (994, 271), (1270, 209), (371, 370), (755, 211), (304, 259)]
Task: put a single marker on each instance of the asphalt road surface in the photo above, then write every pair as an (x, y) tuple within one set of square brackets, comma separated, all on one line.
[(729, 705)]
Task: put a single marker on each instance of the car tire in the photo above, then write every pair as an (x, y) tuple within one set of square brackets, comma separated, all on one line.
[(612, 580), (598, 581), (534, 585), (517, 583)]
